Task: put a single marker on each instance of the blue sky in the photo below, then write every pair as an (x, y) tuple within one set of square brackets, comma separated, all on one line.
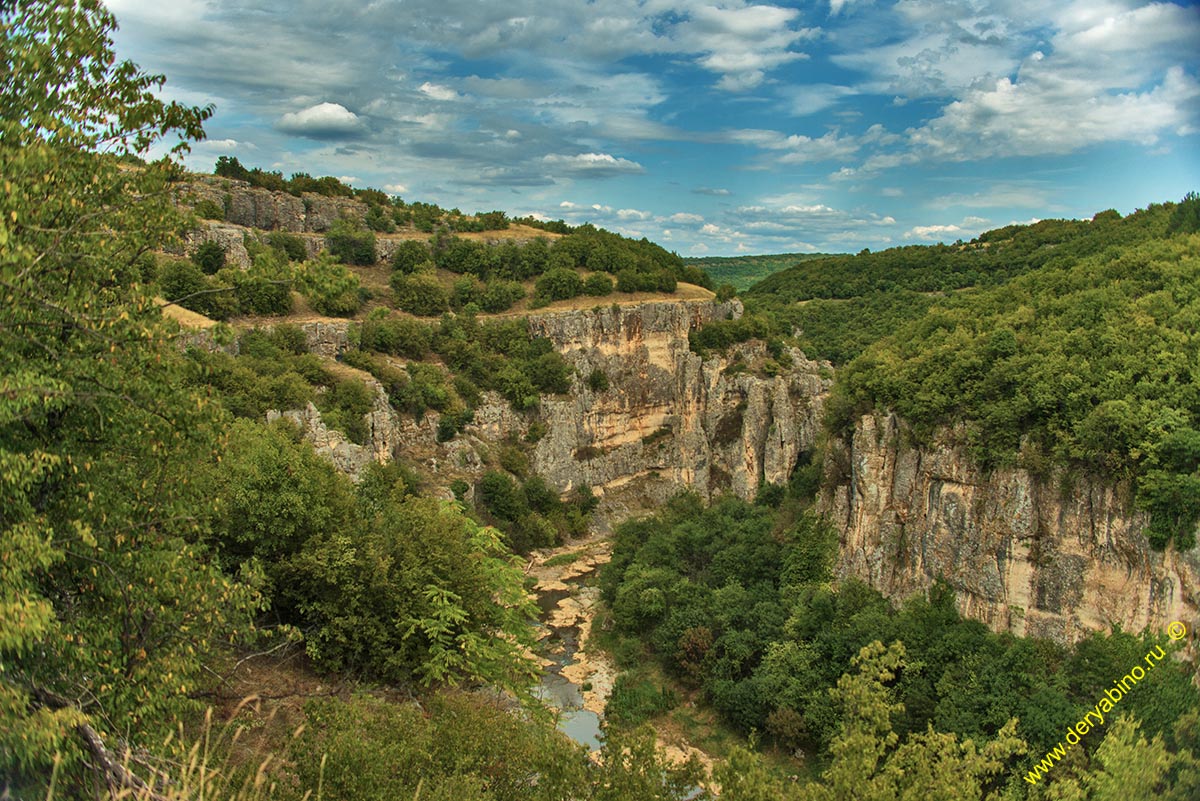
[(713, 128)]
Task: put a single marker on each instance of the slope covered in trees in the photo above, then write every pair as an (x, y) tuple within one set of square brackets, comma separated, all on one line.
[(743, 272), (1069, 343), (735, 603)]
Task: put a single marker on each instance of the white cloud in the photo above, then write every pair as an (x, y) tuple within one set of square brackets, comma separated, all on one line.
[(321, 121), (1045, 113), (685, 217), (931, 231), (436, 92), (968, 228), (395, 189), (597, 165), (348, 180), (718, 192), (709, 228), (633, 214), (805, 99), (797, 148), (740, 44)]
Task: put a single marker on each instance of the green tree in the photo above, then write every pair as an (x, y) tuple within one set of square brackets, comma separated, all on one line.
[(408, 255), (329, 286), (350, 243), (560, 283), (421, 589), (107, 596), (209, 257), (420, 294)]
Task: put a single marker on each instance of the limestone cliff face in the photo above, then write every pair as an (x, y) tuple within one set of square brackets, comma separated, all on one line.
[(670, 419), (253, 207), (1046, 557)]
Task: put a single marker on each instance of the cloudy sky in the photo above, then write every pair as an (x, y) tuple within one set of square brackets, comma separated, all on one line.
[(713, 127)]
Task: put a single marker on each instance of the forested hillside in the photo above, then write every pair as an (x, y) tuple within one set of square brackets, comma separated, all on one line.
[(743, 272), (1065, 342)]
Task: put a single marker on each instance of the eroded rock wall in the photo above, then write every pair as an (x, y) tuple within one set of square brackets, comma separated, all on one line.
[(670, 419), (1051, 557)]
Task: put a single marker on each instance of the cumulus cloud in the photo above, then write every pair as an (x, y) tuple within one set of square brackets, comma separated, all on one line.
[(322, 121), (968, 228), (797, 148), (633, 214), (717, 192), (595, 165), (436, 92), (1046, 113), (685, 217)]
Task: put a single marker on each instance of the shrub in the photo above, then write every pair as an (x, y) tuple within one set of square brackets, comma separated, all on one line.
[(499, 296), (209, 257), (182, 282), (290, 245), (330, 287), (397, 336), (598, 380), (209, 210), (598, 285), (379, 219), (466, 290), (420, 294), (290, 339), (409, 254), (265, 288), (559, 284), (350, 244)]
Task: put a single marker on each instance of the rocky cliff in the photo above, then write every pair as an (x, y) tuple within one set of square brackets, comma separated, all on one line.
[(1051, 556), (669, 418)]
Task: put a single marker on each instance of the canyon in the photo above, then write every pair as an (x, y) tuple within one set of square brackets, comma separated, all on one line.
[(1051, 556)]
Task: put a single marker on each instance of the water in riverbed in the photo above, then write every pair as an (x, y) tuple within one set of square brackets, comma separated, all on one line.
[(581, 725)]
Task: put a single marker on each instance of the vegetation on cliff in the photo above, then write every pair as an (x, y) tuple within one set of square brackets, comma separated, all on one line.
[(1066, 343), (735, 603)]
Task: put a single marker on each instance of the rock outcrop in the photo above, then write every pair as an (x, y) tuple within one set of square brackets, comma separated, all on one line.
[(1048, 556), (253, 207), (670, 419)]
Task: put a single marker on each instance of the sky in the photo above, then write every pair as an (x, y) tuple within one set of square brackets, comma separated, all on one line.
[(713, 127)]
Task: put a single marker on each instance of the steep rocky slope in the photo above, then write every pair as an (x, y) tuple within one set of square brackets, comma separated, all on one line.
[(669, 419), (1048, 556)]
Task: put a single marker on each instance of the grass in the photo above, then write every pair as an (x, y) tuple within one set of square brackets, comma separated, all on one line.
[(563, 559)]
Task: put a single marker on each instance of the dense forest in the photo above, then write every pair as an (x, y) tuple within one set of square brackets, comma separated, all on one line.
[(163, 548), (1065, 343), (735, 603), (743, 272)]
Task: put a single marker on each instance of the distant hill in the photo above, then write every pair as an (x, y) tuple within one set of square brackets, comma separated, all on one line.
[(745, 271)]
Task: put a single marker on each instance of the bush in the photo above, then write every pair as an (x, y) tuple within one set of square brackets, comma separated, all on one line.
[(350, 244), (409, 254), (397, 336), (598, 285), (209, 257), (265, 288), (466, 290), (597, 381), (182, 282), (499, 296), (379, 219), (420, 294), (330, 287), (209, 210), (559, 284), (290, 245)]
